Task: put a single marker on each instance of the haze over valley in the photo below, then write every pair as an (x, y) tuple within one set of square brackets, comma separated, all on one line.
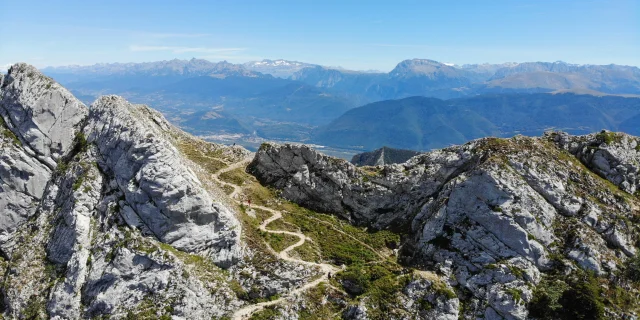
[(300, 102)]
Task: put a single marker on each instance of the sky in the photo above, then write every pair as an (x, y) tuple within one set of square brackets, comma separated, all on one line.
[(360, 35)]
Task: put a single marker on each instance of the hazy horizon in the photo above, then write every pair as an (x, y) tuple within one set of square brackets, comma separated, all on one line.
[(5, 67)]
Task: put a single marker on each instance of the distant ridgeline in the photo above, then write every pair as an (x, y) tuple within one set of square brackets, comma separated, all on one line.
[(286, 100), (382, 156), (421, 123)]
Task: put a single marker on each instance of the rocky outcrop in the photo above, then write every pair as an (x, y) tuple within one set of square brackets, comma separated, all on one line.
[(109, 216), (493, 215), (41, 113), (162, 196), (22, 183), (39, 120), (613, 156), (382, 156)]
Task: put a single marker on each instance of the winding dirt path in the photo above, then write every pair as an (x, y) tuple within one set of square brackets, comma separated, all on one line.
[(236, 189), (247, 311)]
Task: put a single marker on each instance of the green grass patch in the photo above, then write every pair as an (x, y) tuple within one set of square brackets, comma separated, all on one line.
[(8, 133), (578, 296), (335, 246), (202, 267), (282, 225), (259, 195), (279, 242), (609, 137), (380, 283), (515, 293), (322, 302), (227, 189), (308, 252), (236, 176), (211, 161)]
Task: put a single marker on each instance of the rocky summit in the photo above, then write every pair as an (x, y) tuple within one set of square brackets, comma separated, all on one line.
[(109, 211), (508, 222)]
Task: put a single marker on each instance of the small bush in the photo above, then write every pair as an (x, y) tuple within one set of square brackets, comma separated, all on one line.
[(81, 143), (355, 279), (608, 137), (632, 271), (576, 298)]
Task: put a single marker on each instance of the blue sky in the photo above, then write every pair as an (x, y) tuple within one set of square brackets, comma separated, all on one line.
[(352, 34)]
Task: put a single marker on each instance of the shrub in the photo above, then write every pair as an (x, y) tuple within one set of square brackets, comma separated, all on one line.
[(577, 298), (608, 137), (632, 271), (81, 143), (355, 279), (582, 300)]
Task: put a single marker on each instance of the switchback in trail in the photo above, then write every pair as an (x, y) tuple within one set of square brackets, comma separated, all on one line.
[(326, 269)]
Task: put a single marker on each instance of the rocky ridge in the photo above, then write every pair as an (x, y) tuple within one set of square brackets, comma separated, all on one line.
[(110, 211), (494, 216)]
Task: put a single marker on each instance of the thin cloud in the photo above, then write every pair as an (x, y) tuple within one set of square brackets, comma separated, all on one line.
[(176, 35), (389, 45), (177, 49)]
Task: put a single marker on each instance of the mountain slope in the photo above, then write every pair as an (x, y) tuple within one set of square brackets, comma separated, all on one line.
[(115, 213), (109, 211), (185, 91), (413, 123), (516, 225), (425, 123)]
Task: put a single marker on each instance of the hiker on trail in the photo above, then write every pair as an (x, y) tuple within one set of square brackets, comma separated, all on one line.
[(329, 275), (249, 201)]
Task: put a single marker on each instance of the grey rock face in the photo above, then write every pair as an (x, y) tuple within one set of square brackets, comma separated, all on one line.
[(22, 183), (71, 211), (426, 298), (382, 156), (489, 213), (39, 122), (327, 184), (44, 115), (162, 195), (614, 156)]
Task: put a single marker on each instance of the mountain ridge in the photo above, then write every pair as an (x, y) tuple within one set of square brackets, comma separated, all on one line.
[(420, 123)]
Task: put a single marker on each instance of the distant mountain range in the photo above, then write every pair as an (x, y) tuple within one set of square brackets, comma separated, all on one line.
[(421, 123), (422, 77), (277, 68), (296, 101)]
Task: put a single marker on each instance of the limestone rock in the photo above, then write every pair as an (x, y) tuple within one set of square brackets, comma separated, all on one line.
[(490, 213), (614, 156), (44, 115), (118, 224), (22, 183), (166, 196), (38, 122)]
